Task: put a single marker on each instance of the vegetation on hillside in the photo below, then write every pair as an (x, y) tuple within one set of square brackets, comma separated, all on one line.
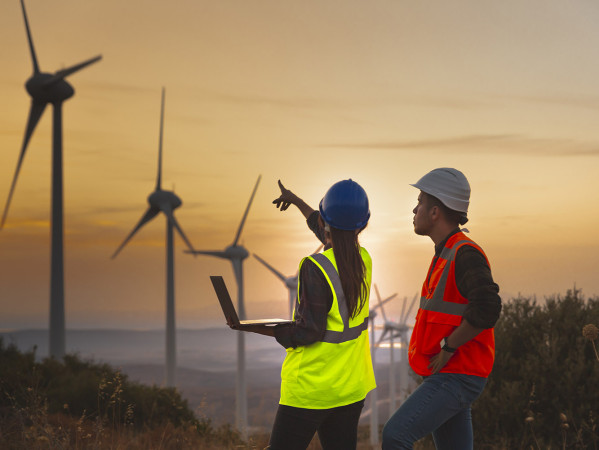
[(80, 404), (544, 389), (543, 393)]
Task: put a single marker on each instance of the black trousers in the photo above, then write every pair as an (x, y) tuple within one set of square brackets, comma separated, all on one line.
[(337, 428)]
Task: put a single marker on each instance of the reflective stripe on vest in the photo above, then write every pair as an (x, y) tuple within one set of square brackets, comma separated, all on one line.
[(436, 302), (348, 334)]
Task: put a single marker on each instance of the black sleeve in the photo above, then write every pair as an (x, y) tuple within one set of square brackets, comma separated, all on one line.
[(312, 222), (311, 309), (475, 283)]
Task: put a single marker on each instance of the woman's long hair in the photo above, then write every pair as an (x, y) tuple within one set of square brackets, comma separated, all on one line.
[(351, 268)]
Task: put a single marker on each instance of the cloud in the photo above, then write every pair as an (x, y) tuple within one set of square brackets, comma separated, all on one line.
[(121, 87), (281, 102), (496, 143), (108, 210), (26, 223), (368, 101), (12, 133), (577, 101)]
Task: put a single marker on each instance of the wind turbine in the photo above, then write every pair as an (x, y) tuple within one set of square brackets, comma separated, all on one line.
[(404, 336), (374, 410), (165, 202), (289, 282), (47, 88), (236, 254), (397, 329)]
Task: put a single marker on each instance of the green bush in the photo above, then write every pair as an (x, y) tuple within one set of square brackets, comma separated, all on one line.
[(76, 387), (543, 391)]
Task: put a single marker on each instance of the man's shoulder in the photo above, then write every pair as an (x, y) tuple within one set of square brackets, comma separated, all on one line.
[(471, 253)]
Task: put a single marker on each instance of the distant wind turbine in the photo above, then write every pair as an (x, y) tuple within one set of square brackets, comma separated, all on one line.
[(374, 410), (289, 282), (236, 254), (397, 329), (47, 88), (404, 335), (165, 202)]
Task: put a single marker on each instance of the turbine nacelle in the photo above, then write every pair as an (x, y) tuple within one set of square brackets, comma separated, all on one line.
[(236, 252), (46, 88), (159, 198)]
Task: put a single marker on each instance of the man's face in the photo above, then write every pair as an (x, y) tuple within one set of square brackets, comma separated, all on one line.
[(422, 218)]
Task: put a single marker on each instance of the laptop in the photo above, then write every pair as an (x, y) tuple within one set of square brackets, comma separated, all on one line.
[(229, 310)]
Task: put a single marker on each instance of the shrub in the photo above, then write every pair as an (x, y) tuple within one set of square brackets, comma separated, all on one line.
[(76, 387), (543, 388)]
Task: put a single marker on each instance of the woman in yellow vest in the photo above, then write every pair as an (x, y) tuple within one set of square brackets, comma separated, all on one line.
[(328, 369)]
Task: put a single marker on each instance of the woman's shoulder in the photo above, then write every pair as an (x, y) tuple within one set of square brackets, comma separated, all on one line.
[(365, 254)]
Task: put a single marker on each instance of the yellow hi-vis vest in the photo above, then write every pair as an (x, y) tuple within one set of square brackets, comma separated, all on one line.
[(338, 370)]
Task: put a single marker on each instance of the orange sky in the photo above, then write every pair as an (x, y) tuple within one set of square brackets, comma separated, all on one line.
[(309, 92)]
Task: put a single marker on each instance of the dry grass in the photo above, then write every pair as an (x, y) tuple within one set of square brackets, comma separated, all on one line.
[(60, 431)]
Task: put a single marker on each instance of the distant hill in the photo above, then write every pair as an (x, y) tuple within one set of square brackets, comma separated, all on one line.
[(206, 365)]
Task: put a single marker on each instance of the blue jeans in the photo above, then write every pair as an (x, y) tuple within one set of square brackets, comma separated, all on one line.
[(441, 406)]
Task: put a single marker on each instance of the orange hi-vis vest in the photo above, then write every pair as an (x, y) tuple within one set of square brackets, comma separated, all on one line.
[(441, 310)]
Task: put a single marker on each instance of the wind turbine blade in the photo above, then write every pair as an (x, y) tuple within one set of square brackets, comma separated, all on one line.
[(159, 176), (61, 74), (396, 334), (271, 268), (180, 231), (382, 337), (378, 296), (410, 308), (36, 68), (35, 113), (380, 304), (403, 310), (388, 299), (148, 215), (247, 210), (217, 253), (315, 251)]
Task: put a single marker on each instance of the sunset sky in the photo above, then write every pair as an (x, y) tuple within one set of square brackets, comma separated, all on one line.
[(309, 92)]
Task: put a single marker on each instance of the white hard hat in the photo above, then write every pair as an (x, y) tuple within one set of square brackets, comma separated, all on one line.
[(450, 186)]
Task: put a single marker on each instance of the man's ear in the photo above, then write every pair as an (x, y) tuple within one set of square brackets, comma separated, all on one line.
[(435, 212)]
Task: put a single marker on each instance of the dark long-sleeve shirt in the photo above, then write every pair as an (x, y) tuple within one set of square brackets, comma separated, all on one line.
[(475, 283), (315, 302)]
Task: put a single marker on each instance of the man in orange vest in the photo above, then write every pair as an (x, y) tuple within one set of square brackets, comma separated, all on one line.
[(452, 345)]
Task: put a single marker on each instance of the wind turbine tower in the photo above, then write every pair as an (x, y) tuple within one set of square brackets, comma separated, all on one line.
[(45, 88), (165, 202), (236, 254)]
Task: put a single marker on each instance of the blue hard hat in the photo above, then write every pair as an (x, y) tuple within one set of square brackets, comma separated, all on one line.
[(345, 206)]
